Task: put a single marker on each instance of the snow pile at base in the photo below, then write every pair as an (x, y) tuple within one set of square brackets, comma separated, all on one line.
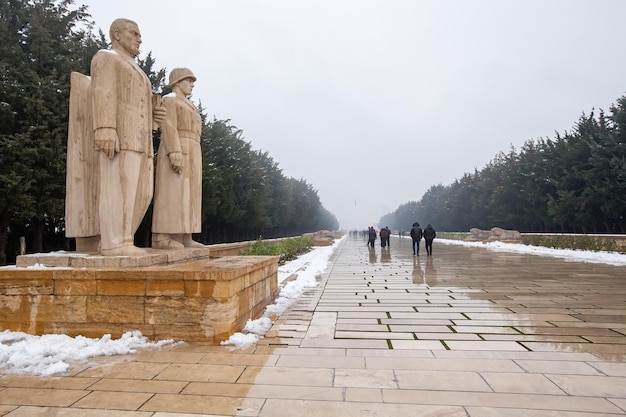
[(307, 267), (50, 354)]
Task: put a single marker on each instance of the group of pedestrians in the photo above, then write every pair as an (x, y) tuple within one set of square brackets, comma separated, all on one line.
[(384, 234), (417, 234)]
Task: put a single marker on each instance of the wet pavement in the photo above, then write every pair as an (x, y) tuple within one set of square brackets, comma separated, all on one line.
[(466, 332)]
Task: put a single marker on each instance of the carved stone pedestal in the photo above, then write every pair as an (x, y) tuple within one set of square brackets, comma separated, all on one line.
[(181, 295)]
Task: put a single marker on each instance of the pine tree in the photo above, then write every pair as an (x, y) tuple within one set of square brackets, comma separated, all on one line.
[(41, 42)]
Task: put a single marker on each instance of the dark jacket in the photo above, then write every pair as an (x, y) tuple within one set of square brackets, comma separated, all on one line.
[(416, 233), (429, 233)]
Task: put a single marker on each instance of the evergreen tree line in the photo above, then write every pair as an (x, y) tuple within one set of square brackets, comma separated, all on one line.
[(573, 183), (245, 194)]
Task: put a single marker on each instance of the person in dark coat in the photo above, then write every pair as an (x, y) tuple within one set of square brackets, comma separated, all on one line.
[(429, 236), (388, 234), (371, 236), (416, 235), (383, 237)]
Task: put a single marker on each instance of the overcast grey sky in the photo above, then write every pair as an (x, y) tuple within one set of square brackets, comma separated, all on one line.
[(374, 101)]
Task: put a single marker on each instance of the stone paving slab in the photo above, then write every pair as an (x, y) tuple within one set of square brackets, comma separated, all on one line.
[(467, 332)]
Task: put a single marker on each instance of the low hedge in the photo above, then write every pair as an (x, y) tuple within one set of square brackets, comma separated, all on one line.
[(571, 242), (285, 249)]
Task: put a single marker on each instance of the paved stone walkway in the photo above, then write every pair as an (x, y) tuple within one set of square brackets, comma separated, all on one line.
[(466, 332)]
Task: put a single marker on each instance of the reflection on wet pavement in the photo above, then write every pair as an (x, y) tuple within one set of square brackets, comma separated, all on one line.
[(474, 299), (466, 332)]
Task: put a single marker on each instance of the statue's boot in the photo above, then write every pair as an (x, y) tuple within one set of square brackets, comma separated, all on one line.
[(165, 241), (188, 242), (130, 250)]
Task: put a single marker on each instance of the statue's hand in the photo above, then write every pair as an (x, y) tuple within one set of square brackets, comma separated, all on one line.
[(158, 114), (107, 141), (176, 162)]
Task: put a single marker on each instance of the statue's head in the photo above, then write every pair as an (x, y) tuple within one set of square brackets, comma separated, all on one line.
[(125, 34), (179, 74)]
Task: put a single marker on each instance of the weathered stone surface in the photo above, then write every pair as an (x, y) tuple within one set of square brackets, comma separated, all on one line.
[(202, 301), (131, 286), (196, 288), (185, 332), (323, 237), (186, 254), (166, 287), (225, 287), (96, 330), (30, 311), (477, 235), (90, 260), (69, 286), (117, 309), (174, 310), (495, 234), (501, 235), (33, 282), (222, 317), (64, 308)]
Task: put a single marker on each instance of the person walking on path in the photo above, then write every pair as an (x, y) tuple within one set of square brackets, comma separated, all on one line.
[(429, 236), (383, 237), (371, 236), (388, 236), (416, 235)]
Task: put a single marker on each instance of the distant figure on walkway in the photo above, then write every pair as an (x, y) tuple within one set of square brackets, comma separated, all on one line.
[(371, 233), (429, 236), (416, 235), (388, 235), (383, 237)]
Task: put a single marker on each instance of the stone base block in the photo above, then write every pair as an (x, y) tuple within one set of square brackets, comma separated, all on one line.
[(90, 260), (201, 300)]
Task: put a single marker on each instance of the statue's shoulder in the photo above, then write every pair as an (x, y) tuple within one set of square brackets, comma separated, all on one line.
[(105, 54), (170, 99), (174, 100)]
